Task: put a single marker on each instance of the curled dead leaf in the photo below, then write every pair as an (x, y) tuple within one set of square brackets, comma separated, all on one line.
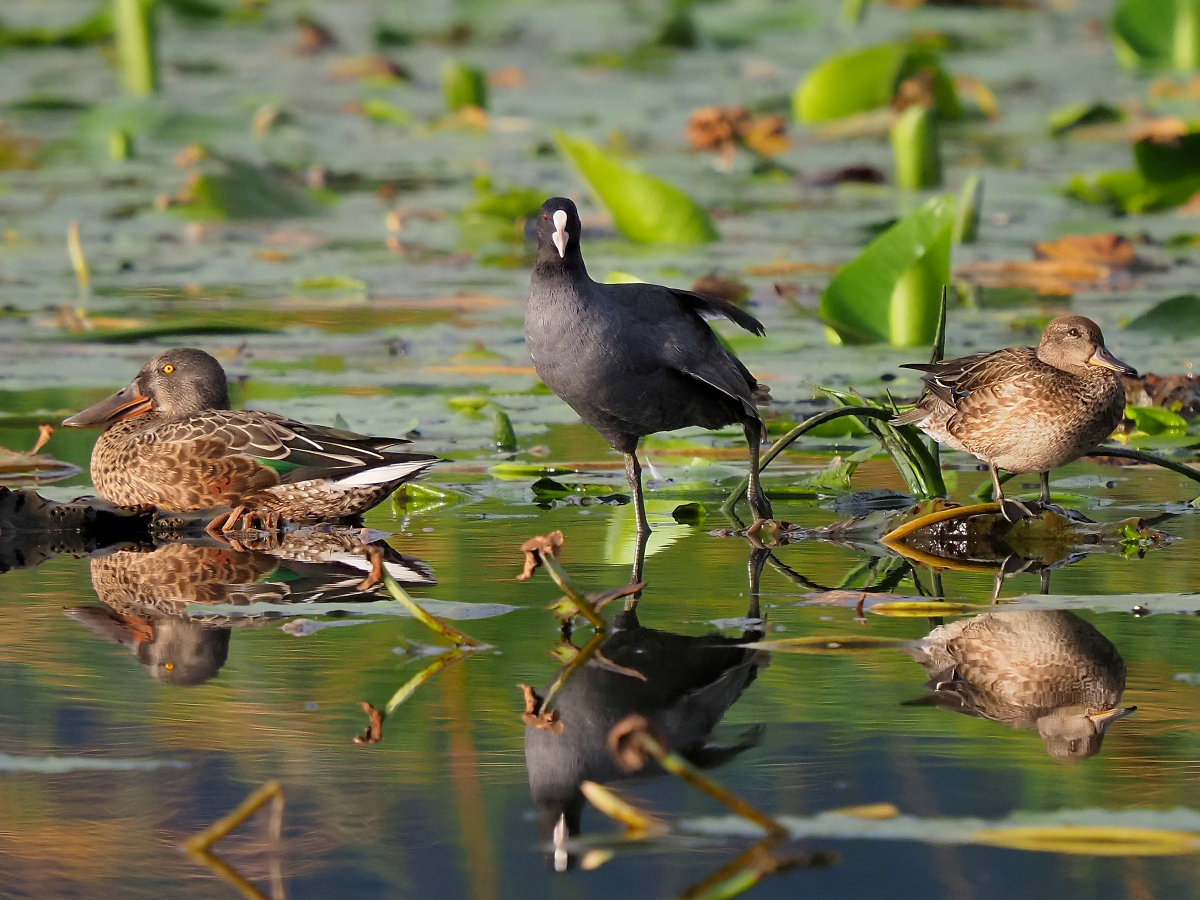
[(626, 742), (915, 91), (374, 732), (535, 716), (543, 543), (723, 128), (314, 36)]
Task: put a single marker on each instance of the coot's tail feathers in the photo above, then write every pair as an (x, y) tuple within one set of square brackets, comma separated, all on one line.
[(708, 305)]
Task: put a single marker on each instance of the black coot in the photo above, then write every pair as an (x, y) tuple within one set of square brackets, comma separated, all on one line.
[(635, 359)]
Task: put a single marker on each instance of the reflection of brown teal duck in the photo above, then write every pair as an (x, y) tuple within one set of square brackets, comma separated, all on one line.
[(172, 442), (689, 684), (1026, 409), (151, 597), (1047, 669)]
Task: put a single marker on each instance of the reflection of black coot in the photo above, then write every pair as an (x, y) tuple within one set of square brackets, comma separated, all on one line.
[(1044, 669), (689, 684)]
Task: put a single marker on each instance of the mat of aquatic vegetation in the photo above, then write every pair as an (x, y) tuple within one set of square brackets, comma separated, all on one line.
[(107, 762)]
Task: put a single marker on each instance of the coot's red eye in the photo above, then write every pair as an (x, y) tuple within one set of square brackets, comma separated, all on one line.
[(546, 217)]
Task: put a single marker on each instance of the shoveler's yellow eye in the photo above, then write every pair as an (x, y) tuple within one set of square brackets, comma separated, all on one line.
[(170, 667), (168, 369)]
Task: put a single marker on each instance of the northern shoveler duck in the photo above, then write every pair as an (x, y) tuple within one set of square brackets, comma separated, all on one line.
[(1044, 669), (172, 442), (1026, 409)]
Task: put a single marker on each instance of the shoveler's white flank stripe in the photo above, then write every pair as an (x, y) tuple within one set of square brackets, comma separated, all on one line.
[(384, 474)]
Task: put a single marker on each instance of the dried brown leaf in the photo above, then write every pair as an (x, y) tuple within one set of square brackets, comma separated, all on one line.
[(1113, 250)]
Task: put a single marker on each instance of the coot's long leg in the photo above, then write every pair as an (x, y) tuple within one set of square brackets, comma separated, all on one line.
[(633, 471), (759, 504)]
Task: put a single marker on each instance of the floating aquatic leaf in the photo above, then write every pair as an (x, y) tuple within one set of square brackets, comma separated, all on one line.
[(243, 191), (92, 29), (503, 435), (507, 471), (1067, 118), (616, 277), (379, 110), (891, 292), (1154, 421), (496, 216), (645, 209), (463, 86), (330, 283), (1178, 316), (689, 514)]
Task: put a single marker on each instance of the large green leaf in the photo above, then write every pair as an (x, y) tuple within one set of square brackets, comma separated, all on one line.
[(1143, 31), (1177, 316), (1168, 161), (850, 82), (1130, 191), (644, 208), (891, 291), (857, 81)]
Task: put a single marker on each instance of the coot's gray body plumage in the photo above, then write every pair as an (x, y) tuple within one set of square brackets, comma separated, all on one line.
[(635, 359)]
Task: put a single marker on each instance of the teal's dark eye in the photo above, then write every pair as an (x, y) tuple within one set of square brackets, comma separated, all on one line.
[(1074, 332)]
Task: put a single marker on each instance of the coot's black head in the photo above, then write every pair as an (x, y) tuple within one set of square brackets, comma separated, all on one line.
[(178, 382), (558, 228)]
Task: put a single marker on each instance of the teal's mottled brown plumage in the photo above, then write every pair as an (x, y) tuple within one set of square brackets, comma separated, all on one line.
[(1043, 669), (1026, 409), (172, 442)]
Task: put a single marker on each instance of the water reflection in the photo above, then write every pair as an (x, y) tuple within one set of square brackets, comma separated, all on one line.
[(1043, 669), (156, 599), (682, 684)]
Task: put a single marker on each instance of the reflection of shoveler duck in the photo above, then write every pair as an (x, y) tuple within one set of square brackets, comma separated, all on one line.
[(172, 442), (154, 600), (1026, 409), (1047, 669)]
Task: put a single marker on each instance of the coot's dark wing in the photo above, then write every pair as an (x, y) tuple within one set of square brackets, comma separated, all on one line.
[(714, 307)]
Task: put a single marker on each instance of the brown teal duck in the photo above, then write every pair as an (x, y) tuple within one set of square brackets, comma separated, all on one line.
[(171, 441), (1026, 409)]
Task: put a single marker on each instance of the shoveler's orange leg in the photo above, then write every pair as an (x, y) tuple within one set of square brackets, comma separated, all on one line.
[(215, 528), (231, 524)]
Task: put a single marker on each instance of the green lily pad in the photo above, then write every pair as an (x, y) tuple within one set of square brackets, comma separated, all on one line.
[(1178, 316), (892, 291), (1073, 115), (243, 191), (1154, 420), (645, 209)]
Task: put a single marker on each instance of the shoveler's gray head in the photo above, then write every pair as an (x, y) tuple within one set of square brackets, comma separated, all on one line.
[(177, 382)]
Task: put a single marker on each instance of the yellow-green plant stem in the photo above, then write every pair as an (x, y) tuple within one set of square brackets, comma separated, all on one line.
[(679, 767), (576, 596), (134, 25), (915, 151), (433, 623), (271, 791)]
